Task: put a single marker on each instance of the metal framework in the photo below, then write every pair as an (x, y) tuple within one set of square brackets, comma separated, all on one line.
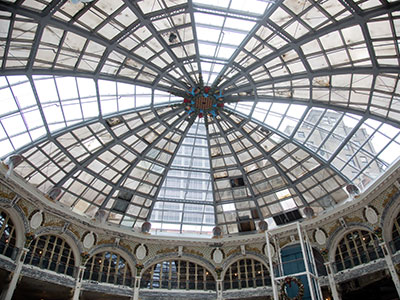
[(311, 93)]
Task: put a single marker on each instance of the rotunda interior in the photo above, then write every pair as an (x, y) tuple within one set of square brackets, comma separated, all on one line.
[(198, 149)]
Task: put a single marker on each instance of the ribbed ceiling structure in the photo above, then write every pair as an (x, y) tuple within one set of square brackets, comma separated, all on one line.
[(91, 98)]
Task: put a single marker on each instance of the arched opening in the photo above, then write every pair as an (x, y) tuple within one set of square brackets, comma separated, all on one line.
[(177, 274), (53, 253), (395, 243), (355, 248), (7, 235), (319, 263), (109, 267), (246, 273)]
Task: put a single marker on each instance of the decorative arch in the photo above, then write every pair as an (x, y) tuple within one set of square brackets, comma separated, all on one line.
[(172, 272), (246, 272), (185, 256), (68, 236), (19, 219), (125, 253), (355, 246), (8, 235), (110, 264), (389, 216), (336, 236), (52, 252), (392, 230), (236, 256)]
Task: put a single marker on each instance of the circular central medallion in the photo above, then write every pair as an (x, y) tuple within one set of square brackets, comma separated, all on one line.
[(203, 102)]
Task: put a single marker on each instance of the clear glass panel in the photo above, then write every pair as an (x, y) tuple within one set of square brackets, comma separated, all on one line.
[(185, 200)]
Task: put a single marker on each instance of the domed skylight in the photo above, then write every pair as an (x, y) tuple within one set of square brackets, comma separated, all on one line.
[(93, 98)]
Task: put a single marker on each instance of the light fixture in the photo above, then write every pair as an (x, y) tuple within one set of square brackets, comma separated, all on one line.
[(54, 194)]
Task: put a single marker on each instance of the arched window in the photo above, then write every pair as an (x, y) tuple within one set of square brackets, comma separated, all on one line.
[(178, 274), (108, 267), (53, 253), (246, 273), (356, 248), (7, 235), (396, 234)]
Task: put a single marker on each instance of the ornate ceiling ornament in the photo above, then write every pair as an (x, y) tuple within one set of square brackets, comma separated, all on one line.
[(202, 100), (320, 236), (370, 215), (272, 249), (217, 256), (89, 240), (141, 252), (36, 220)]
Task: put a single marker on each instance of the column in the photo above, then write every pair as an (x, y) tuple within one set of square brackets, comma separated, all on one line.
[(136, 288), (313, 265), (9, 290), (78, 283), (332, 283), (219, 289), (391, 267), (271, 268), (306, 264)]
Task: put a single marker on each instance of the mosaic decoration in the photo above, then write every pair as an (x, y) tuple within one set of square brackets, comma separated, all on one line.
[(202, 100)]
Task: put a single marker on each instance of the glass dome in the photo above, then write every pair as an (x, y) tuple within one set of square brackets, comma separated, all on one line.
[(196, 114)]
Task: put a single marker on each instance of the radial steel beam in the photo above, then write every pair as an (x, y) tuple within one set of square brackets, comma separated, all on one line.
[(14, 9), (224, 12), (239, 165), (168, 167), (319, 73), (284, 137), (211, 169), (266, 156), (252, 33), (116, 141), (84, 74), (314, 103), (140, 157), (148, 24), (348, 22), (196, 44)]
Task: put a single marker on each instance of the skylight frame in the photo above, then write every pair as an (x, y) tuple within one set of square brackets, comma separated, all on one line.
[(364, 87)]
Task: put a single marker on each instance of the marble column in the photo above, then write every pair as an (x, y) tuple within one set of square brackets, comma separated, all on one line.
[(219, 289), (136, 288), (78, 283)]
